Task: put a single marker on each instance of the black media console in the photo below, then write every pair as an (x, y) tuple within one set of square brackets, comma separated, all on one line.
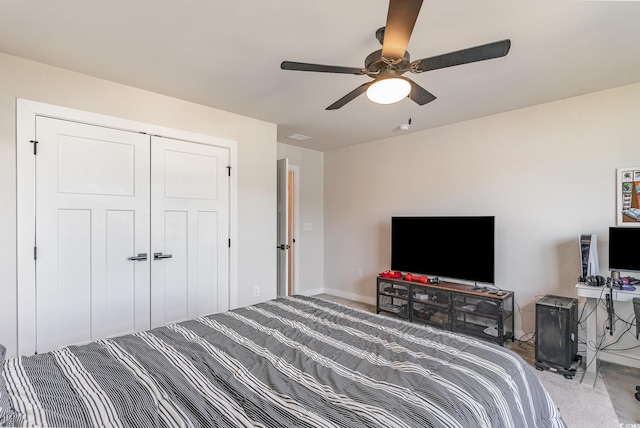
[(455, 307)]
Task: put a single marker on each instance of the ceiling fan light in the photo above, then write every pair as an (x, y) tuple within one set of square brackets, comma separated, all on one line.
[(389, 91)]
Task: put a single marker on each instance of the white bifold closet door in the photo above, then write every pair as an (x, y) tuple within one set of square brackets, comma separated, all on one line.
[(105, 198)]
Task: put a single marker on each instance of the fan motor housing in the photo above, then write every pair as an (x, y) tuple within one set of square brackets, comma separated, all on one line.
[(375, 64)]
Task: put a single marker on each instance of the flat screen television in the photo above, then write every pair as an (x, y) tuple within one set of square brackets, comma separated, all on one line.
[(451, 247), (624, 248)]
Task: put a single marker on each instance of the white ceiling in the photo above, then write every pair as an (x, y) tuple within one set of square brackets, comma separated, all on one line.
[(227, 55)]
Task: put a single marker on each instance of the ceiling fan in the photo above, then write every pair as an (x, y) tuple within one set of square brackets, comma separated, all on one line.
[(387, 65)]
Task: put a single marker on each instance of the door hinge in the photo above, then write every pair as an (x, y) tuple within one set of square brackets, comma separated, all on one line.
[(229, 243), (229, 170), (35, 146), (35, 253)]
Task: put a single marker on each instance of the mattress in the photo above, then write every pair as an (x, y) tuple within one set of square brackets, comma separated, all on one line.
[(290, 362)]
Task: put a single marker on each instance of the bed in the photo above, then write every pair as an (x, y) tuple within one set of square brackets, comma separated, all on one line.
[(290, 362)]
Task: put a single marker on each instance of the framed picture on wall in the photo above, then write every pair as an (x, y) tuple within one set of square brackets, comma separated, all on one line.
[(628, 195)]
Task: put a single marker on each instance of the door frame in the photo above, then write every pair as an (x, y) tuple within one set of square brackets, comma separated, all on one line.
[(26, 113)]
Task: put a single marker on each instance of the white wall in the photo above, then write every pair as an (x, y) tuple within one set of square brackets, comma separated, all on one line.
[(546, 172), (256, 165), (310, 243)]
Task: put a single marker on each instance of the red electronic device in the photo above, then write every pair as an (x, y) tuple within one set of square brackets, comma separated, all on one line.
[(423, 279), (391, 274)]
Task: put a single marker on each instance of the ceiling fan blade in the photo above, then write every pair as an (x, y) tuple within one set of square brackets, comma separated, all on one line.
[(420, 95), (303, 66), (401, 19), (350, 96), (464, 56)]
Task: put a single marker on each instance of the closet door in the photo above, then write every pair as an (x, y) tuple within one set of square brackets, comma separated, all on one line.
[(190, 230), (92, 216)]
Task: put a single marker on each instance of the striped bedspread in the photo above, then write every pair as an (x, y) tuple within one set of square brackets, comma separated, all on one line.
[(290, 362)]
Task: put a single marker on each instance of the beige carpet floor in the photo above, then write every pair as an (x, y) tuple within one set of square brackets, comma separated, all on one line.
[(621, 382), (611, 403), (580, 405)]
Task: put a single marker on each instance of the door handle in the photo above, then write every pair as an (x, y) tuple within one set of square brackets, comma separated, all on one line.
[(283, 247), (158, 256), (140, 257)]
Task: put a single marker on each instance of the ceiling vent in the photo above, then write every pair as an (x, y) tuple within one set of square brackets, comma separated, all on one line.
[(298, 137)]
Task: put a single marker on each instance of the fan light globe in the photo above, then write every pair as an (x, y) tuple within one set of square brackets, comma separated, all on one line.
[(389, 91)]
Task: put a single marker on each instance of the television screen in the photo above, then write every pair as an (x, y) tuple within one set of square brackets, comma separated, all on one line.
[(450, 247), (624, 248)]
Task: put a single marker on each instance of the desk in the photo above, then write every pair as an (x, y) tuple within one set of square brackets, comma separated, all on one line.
[(593, 295)]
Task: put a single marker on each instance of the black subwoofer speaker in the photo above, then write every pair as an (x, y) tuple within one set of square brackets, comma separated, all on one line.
[(556, 331)]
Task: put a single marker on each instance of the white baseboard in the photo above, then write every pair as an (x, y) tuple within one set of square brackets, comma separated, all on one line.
[(311, 292), (350, 296)]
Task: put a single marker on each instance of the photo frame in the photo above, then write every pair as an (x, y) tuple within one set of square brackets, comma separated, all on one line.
[(628, 196)]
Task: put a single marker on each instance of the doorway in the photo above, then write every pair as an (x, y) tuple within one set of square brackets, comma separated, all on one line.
[(293, 184), (288, 243)]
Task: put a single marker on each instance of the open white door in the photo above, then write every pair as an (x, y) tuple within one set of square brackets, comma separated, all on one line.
[(283, 230)]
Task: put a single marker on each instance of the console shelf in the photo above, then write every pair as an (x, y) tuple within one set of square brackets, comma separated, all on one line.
[(449, 306)]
